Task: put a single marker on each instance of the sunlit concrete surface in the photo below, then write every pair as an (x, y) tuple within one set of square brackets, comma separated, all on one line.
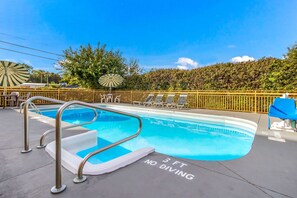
[(269, 170)]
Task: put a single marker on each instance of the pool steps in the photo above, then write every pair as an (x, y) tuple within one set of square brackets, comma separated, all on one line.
[(73, 144)]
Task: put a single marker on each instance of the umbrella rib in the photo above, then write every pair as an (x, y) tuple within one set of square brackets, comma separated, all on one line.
[(12, 73)]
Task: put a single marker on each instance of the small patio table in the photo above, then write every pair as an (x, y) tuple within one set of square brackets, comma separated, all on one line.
[(6, 96)]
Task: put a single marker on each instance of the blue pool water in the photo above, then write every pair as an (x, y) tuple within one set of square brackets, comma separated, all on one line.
[(198, 140), (104, 156)]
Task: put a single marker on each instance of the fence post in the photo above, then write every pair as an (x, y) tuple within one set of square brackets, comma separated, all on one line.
[(131, 98), (255, 101), (58, 93), (197, 99), (93, 96)]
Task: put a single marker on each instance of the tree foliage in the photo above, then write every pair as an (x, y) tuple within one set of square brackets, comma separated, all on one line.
[(41, 76), (86, 65), (282, 74)]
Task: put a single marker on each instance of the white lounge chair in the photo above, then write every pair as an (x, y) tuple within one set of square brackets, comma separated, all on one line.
[(181, 102), (148, 99), (169, 100)]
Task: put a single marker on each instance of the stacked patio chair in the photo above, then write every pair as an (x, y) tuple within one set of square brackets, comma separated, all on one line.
[(23, 98), (13, 99), (149, 98), (157, 100), (169, 100), (102, 98), (181, 102)]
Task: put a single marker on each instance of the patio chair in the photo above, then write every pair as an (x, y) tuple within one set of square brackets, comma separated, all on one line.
[(169, 100), (148, 99), (13, 99), (102, 98), (158, 100), (109, 98), (285, 109), (24, 98), (117, 99), (181, 102)]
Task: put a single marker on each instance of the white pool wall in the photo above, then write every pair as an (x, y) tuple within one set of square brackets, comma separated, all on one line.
[(71, 145)]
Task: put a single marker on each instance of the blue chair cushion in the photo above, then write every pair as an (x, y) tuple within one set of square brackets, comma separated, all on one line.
[(284, 108)]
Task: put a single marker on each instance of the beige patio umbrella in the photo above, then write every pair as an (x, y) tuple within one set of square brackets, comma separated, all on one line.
[(110, 80), (12, 74)]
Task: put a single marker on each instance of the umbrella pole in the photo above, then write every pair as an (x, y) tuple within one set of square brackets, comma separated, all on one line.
[(110, 90), (5, 83)]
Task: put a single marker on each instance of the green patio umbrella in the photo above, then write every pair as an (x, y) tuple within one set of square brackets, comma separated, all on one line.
[(12, 74), (110, 80)]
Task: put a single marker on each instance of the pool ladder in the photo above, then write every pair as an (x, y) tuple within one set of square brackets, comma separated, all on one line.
[(25, 106), (59, 187)]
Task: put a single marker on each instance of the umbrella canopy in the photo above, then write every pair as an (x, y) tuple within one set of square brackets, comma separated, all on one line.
[(110, 80), (12, 74)]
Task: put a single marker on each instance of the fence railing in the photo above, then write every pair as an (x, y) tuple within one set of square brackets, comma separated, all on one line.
[(244, 101)]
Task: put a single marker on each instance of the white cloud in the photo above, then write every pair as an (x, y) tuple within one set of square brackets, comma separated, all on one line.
[(10, 60), (186, 63), (231, 46), (239, 59), (58, 67), (59, 64), (182, 67), (27, 62)]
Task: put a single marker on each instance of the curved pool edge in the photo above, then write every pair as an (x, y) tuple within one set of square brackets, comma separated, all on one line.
[(244, 123), (191, 115)]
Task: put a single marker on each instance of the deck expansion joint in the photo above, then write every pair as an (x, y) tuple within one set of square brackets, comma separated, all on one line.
[(253, 184), (1, 181)]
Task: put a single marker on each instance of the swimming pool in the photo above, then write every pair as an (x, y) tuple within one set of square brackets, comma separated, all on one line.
[(184, 135)]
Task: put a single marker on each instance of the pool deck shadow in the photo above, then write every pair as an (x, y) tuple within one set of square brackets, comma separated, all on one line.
[(268, 170)]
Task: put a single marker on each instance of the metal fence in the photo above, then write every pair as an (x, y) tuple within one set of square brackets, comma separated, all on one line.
[(244, 101)]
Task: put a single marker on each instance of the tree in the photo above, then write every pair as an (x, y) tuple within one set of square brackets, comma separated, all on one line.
[(87, 64), (282, 74), (37, 76), (133, 67)]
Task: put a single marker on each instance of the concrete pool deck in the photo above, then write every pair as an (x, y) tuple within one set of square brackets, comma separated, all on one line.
[(268, 170)]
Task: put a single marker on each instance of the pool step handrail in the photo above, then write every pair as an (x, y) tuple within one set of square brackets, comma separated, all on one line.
[(42, 138), (32, 105), (59, 187), (27, 148)]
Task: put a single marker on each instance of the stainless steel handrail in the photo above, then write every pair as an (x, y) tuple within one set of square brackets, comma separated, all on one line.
[(21, 106), (59, 187), (31, 104), (41, 141), (27, 149)]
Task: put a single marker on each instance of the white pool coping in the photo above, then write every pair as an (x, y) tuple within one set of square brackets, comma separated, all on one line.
[(225, 120), (73, 144)]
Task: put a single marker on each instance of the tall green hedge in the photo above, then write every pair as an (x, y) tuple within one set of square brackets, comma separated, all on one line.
[(245, 75), (263, 74)]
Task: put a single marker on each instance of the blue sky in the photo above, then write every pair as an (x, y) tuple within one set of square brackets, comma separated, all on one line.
[(160, 34)]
